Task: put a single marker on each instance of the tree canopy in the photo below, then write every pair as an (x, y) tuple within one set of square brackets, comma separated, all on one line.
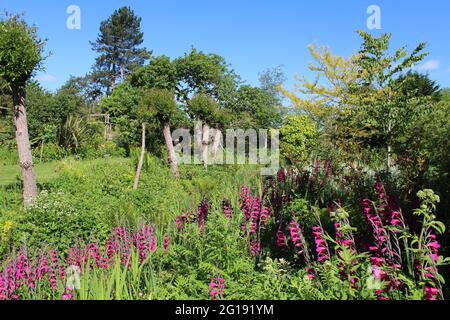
[(118, 45)]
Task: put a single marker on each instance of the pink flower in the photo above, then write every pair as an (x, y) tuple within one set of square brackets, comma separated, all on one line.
[(310, 273), (431, 293), (217, 288), (255, 248), (202, 217), (323, 253), (376, 261), (68, 294), (3, 294), (280, 238), (434, 245), (281, 175), (378, 273), (264, 216), (227, 209), (166, 243)]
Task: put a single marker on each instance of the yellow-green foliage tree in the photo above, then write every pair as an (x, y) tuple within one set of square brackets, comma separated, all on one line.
[(358, 101), (326, 95), (298, 136)]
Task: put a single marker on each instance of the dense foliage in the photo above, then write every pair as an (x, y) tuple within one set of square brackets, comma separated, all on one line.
[(359, 212)]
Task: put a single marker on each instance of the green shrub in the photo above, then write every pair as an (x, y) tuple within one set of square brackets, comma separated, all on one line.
[(8, 156), (298, 136), (48, 153)]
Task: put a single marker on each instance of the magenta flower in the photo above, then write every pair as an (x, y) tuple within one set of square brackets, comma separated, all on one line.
[(322, 250), (227, 209), (217, 288), (68, 294), (298, 240), (264, 217), (431, 293), (310, 273), (255, 248), (378, 273), (255, 216), (202, 217), (166, 243), (281, 175), (280, 238), (3, 291), (397, 220)]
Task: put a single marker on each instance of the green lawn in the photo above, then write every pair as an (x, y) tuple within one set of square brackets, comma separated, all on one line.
[(44, 172)]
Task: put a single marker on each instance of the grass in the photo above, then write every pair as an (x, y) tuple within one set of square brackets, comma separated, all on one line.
[(46, 172)]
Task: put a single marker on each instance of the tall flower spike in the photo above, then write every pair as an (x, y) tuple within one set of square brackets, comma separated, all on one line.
[(227, 209), (322, 250), (299, 241), (280, 238)]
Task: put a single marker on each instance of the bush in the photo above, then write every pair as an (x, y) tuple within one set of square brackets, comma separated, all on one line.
[(8, 156), (298, 136), (58, 219), (48, 153)]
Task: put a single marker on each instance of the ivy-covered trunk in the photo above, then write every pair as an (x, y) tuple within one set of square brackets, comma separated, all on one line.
[(171, 150), (30, 191)]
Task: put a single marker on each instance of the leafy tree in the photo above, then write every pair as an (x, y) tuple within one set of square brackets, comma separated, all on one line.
[(161, 73), (159, 104), (121, 105), (360, 101), (298, 136), (445, 95), (325, 96), (56, 118), (208, 80), (208, 74), (6, 129), (377, 93), (41, 111), (271, 80), (256, 108), (86, 87), (205, 109), (21, 55), (419, 85), (118, 45)]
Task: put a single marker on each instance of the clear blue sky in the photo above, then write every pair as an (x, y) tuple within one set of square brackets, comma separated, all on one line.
[(251, 34)]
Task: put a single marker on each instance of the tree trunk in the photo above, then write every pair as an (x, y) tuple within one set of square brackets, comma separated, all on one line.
[(113, 80), (141, 160), (42, 151), (205, 144), (171, 150), (389, 131), (122, 73), (30, 191)]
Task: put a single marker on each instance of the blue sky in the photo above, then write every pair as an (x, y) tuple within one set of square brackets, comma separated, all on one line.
[(252, 35)]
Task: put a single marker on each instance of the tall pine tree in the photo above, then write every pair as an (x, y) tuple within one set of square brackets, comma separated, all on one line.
[(118, 45)]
